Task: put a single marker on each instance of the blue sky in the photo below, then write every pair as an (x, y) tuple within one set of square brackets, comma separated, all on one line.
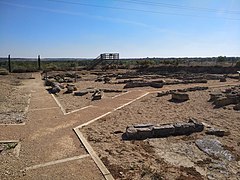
[(144, 28)]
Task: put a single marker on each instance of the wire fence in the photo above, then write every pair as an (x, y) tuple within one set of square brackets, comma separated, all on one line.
[(20, 65)]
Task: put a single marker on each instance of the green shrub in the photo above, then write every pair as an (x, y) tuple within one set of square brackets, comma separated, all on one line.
[(237, 64), (3, 71)]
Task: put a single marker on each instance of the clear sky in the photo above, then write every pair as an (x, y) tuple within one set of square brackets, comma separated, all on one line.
[(134, 28)]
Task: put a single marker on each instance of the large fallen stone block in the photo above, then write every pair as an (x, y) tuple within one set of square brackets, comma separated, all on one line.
[(70, 88), (197, 88), (217, 132), (59, 79), (68, 80), (224, 101), (71, 75), (143, 125), (163, 131), (194, 81), (184, 128), (180, 97), (156, 84), (133, 84), (56, 89), (141, 83), (199, 127), (223, 79), (97, 95), (131, 132), (57, 84), (80, 93), (163, 93), (237, 107), (143, 131), (113, 90), (214, 97), (139, 131), (48, 82)]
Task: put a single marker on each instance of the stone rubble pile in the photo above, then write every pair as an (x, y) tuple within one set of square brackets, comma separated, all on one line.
[(67, 77), (55, 87), (230, 96)]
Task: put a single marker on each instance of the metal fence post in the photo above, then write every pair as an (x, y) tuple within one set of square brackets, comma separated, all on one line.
[(9, 63), (39, 62)]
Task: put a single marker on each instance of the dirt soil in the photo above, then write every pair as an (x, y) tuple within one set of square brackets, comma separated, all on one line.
[(71, 102), (13, 98), (48, 136), (88, 81), (172, 157)]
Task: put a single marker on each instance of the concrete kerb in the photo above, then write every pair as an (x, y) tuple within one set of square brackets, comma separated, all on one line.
[(78, 109), (19, 124), (107, 175), (97, 118), (16, 149), (57, 162), (9, 141), (67, 113), (120, 94), (63, 110), (58, 103), (40, 109), (28, 104), (93, 120), (39, 98)]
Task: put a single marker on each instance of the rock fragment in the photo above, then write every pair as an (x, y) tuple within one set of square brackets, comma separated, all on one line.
[(143, 131), (80, 93), (97, 95), (180, 97), (214, 148), (217, 132)]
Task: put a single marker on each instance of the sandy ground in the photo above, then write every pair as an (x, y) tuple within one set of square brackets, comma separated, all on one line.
[(87, 81), (71, 102), (48, 136), (13, 98), (172, 157)]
